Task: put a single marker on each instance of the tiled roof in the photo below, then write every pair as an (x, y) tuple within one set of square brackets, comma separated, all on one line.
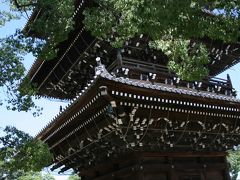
[(167, 88)]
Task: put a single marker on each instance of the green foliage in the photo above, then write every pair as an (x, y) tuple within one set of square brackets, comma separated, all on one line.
[(54, 24), (12, 75), (168, 22), (12, 50), (6, 17), (6, 14), (184, 57), (35, 176), (74, 177), (159, 19), (51, 28), (234, 160), (20, 153)]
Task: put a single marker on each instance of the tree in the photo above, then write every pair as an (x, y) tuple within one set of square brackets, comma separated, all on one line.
[(35, 176), (171, 25), (54, 26), (74, 177), (234, 160), (21, 154)]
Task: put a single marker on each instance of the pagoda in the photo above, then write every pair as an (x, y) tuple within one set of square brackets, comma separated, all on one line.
[(130, 117)]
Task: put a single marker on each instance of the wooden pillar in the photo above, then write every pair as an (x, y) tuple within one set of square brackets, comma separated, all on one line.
[(172, 173)]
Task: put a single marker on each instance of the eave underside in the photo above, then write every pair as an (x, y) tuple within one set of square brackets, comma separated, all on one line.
[(68, 73), (112, 118), (73, 68)]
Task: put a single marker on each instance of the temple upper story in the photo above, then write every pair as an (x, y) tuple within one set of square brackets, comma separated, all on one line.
[(67, 74)]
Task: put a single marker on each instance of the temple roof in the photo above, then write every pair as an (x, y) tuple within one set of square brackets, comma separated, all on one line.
[(110, 106), (104, 79), (78, 62), (49, 76)]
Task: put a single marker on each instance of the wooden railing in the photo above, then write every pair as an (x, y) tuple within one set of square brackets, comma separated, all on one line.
[(139, 65), (139, 68)]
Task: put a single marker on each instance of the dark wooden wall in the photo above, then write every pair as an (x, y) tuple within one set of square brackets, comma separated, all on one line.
[(162, 166)]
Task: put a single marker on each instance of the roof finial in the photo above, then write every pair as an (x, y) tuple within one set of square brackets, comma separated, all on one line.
[(98, 60)]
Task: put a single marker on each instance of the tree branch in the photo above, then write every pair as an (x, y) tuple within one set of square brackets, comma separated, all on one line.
[(20, 6)]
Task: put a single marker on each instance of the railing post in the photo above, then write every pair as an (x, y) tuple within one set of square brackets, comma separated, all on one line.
[(229, 82), (119, 57)]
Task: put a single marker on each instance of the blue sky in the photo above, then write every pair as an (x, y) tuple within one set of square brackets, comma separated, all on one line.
[(25, 120)]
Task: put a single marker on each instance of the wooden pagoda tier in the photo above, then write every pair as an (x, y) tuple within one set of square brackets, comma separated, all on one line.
[(114, 117), (66, 75)]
